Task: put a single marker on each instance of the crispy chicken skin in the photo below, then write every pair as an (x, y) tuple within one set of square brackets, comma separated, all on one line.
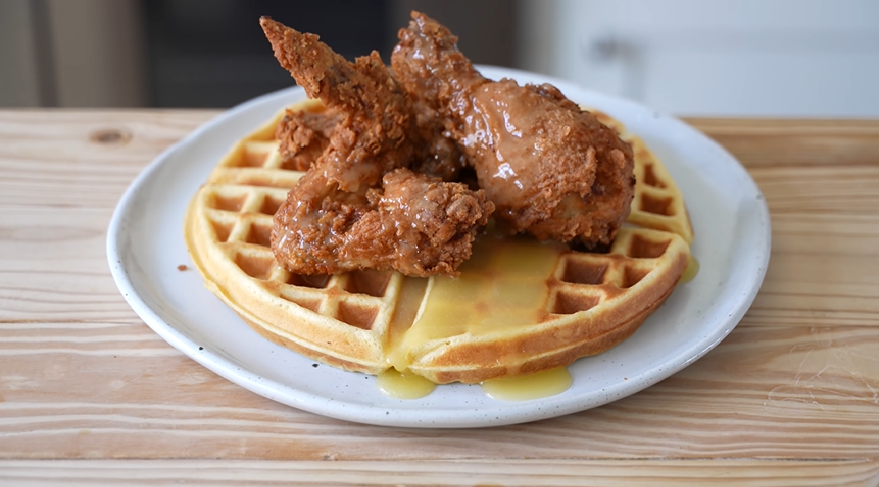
[(551, 168), (414, 223), (304, 137), (357, 206), (369, 138), (377, 125)]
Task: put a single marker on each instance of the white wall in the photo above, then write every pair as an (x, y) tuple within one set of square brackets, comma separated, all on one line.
[(696, 57)]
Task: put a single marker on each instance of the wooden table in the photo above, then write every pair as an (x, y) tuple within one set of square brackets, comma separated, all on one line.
[(791, 397)]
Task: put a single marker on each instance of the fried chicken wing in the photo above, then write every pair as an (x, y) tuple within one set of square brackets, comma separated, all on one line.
[(550, 168), (413, 223), (357, 206), (379, 125), (369, 139)]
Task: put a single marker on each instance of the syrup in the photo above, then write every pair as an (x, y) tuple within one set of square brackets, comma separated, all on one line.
[(403, 385), (691, 270), (503, 286), (527, 387), (479, 302)]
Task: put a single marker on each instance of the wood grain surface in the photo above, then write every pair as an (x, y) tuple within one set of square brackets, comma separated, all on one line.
[(791, 397)]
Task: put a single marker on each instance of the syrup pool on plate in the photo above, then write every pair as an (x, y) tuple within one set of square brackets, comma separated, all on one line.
[(691, 270), (532, 386), (403, 385)]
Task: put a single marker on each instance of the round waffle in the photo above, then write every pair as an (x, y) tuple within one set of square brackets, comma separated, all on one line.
[(518, 307)]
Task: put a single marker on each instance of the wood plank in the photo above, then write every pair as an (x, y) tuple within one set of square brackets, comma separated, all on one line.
[(822, 190), (796, 143), (64, 171), (507, 472), (117, 391), (75, 158), (53, 266), (822, 272)]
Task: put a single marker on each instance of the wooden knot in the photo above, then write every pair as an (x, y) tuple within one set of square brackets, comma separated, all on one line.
[(116, 136)]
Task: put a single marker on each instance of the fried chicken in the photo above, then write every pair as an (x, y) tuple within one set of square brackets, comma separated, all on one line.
[(375, 113), (551, 168), (357, 206), (415, 224), (304, 137), (437, 152)]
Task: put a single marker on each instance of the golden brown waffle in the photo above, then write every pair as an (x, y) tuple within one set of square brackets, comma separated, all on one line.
[(583, 303), (658, 202)]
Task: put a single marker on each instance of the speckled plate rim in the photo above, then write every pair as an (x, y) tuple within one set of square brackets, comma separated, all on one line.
[(145, 246)]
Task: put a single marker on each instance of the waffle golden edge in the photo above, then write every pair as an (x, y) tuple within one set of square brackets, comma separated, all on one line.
[(360, 321)]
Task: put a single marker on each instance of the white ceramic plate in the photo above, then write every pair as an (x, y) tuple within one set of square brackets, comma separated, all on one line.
[(145, 246)]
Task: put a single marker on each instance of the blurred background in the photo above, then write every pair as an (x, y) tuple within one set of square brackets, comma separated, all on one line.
[(812, 58)]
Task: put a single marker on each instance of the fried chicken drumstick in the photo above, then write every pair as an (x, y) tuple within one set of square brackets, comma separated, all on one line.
[(551, 168), (357, 206)]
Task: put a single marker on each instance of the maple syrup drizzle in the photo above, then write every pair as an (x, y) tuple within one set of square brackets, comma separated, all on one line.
[(691, 270), (527, 387), (403, 385)]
